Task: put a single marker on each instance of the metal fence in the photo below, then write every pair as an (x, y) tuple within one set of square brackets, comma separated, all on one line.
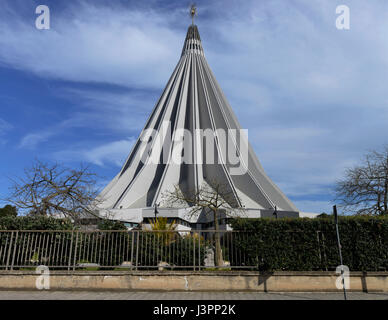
[(121, 250)]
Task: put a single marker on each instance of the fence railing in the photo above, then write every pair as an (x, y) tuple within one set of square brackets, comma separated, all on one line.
[(121, 250)]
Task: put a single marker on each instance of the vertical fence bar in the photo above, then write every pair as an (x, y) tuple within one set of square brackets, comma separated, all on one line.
[(154, 246), (194, 251), (70, 250), (43, 241), (100, 239), (30, 249), (55, 250), (95, 246), (89, 254), (137, 247), (35, 245), (132, 245), (230, 244), (20, 249), (114, 260), (75, 250), (1, 249), (169, 248), (199, 250), (25, 251), (104, 239), (241, 240), (14, 249), (9, 251), (142, 247), (63, 243), (50, 236), (4, 252), (110, 243)]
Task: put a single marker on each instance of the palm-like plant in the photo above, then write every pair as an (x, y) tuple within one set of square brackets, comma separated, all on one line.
[(161, 224)]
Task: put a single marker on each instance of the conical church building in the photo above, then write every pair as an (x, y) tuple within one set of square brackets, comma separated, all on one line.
[(191, 119)]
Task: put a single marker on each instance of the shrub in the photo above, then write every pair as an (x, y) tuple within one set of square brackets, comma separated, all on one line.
[(311, 244), (34, 223), (8, 211), (105, 224)]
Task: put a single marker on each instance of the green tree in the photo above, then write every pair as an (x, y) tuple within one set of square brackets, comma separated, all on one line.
[(106, 224), (8, 211)]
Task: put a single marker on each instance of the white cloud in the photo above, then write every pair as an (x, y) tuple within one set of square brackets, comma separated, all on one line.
[(93, 43), (116, 111), (109, 153), (4, 128), (31, 140), (120, 112)]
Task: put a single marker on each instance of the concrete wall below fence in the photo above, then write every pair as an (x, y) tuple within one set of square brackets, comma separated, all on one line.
[(195, 281)]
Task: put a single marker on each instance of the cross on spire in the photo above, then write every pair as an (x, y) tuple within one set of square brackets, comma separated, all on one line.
[(193, 13)]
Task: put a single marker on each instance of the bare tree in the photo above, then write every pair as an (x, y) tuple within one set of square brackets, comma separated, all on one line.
[(211, 198), (48, 189), (364, 188)]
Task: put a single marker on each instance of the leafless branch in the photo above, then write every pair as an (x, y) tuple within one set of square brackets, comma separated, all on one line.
[(48, 189), (364, 188)]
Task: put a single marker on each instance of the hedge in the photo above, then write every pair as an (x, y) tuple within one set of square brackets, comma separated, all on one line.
[(311, 244), (35, 223)]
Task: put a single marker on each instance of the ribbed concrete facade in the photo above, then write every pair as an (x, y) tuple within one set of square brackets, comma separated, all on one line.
[(191, 101)]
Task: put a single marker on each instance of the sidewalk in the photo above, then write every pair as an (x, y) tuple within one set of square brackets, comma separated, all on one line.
[(110, 295)]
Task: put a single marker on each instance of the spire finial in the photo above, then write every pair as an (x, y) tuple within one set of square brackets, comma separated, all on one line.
[(193, 12)]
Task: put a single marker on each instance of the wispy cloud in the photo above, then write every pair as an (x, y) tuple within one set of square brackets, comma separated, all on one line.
[(92, 43), (122, 112), (116, 111), (31, 140), (4, 128), (111, 153)]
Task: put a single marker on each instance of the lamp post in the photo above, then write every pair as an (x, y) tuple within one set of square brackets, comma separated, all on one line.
[(275, 213), (156, 210), (339, 248)]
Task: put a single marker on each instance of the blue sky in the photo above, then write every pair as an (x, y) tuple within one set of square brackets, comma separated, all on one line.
[(313, 98)]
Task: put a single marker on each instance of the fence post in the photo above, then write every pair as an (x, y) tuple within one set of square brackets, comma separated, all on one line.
[(9, 251), (75, 251), (137, 247), (14, 249)]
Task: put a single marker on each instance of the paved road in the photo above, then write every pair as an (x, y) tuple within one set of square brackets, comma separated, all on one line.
[(110, 295)]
